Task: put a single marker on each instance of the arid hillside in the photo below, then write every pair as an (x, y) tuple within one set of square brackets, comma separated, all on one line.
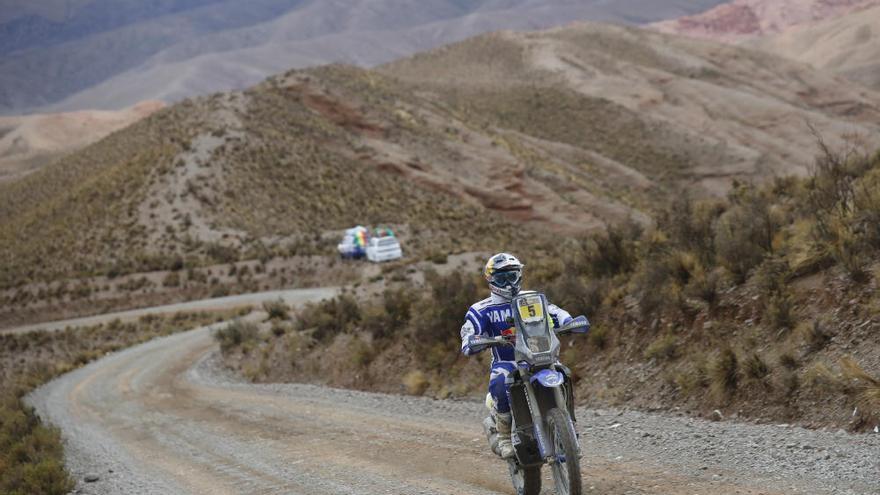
[(740, 20), (460, 149), (848, 45), (761, 306), (31, 141), (836, 36), (109, 54), (670, 109)]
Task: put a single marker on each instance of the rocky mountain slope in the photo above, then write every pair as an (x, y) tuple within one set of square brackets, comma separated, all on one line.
[(109, 54), (32, 141), (666, 108), (848, 45), (738, 20), (565, 129)]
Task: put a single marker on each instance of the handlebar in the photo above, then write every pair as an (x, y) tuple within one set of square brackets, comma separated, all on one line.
[(578, 325)]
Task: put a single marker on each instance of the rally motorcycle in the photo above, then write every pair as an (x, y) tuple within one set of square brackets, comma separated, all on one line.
[(541, 400)]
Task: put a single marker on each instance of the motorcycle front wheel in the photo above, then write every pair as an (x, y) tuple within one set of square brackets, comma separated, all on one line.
[(526, 481), (567, 468)]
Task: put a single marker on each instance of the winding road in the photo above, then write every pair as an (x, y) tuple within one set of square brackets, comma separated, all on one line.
[(165, 417)]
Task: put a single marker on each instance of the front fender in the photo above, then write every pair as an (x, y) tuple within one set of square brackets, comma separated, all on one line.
[(548, 378)]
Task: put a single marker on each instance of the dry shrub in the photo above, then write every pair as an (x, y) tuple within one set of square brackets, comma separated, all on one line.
[(598, 337), (744, 233), (771, 276), (171, 280), (279, 329), (845, 205), (416, 382), (694, 376), (755, 367), (276, 310), (862, 387), (235, 334), (690, 224), (705, 287), (578, 297), (398, 304), (779, 311), (788, 360), (724, 374), (444, 308), (790, 382), (820, 375), (611, 254), (663, 348), (362, 352), (329, 318), (815, 336)]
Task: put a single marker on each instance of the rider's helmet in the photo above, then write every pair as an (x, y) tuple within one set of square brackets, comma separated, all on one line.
[(504, 274)]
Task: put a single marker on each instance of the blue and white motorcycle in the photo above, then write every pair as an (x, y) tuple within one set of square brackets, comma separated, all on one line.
[(541, 400)]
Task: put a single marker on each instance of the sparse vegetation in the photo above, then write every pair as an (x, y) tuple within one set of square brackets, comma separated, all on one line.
[(277, 310), (707, 297), (756, 367), (864, 389), (235, 334), (724, 373), (663, 348)]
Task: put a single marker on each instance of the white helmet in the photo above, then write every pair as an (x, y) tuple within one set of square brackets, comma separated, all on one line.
[(504, 274)]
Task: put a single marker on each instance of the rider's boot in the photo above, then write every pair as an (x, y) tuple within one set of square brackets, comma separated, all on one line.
[(505, 446)]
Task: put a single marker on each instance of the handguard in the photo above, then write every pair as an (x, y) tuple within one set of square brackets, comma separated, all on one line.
[(579, 325), (478, 343)]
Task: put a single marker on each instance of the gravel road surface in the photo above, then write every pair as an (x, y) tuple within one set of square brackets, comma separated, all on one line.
[(213, 304), (165, 417)]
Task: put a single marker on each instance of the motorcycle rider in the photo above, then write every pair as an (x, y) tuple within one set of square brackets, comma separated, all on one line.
[(490, 317)]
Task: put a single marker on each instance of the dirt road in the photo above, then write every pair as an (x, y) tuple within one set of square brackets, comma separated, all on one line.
[(213, 304), (164, 417)]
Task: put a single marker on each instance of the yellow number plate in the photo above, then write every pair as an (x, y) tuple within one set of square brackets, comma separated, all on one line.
[(531, 309)]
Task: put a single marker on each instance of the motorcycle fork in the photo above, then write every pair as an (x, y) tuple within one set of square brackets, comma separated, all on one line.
[(561, 402), (546, 451)]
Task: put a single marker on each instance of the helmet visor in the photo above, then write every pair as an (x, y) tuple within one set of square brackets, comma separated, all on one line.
[(507, 278)]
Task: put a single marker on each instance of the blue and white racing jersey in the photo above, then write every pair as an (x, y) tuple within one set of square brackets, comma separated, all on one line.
[(489, 318)]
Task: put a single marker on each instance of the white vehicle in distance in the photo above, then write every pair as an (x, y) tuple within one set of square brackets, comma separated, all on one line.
[(381, 249)]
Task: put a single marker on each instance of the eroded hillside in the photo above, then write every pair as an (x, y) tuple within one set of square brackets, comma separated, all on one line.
[(460, 149), (848, 45)]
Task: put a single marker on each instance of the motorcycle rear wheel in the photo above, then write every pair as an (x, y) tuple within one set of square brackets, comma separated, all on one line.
[(567, 468), (526, 480)]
